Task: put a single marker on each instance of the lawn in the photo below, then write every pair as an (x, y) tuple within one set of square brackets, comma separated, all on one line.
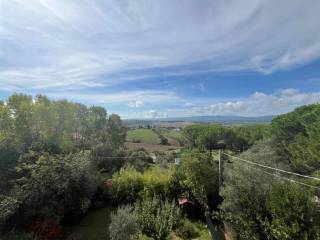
[(143, 135), (94, 226)]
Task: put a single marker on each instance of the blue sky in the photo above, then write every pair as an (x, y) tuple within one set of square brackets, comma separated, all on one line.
[(151, 59)]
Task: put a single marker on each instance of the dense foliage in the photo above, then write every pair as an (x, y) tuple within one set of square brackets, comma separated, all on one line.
[(263, 204), (296, 136), (196, 178), (215, 136), (50, 160), (124, 224), (260, 203), (151, 217), (130, 185), (157, 218), (57, 158)]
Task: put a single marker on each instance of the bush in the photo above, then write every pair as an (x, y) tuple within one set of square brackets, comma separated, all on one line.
[(156, 181), (124, 224), (187, 230), (130, 185), (163, 140), (157, 218), (127, 185)]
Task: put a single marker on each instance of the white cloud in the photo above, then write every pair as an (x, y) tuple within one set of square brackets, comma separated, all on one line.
[(257, 104), (155, 114), (136, 104), (189, 104), (124, 97), (47, 44)]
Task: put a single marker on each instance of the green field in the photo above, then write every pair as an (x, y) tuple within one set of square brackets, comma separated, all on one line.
[(143, 135), (172, 134)]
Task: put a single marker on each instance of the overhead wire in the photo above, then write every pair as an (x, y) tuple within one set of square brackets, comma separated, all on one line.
[(272, 168)]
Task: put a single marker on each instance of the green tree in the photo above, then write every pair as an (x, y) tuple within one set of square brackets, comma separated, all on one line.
[(197, 178), (293, 214), (116, 131), (296, 136), (50, 187)]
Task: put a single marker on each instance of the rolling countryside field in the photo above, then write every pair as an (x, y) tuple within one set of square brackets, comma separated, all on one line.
[(143, 136)]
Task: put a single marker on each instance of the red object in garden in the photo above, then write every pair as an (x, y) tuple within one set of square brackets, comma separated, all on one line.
[(109, 183), (46, 229), (183, 201)]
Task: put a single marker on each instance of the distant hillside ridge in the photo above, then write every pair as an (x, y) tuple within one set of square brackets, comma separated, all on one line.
[(207, 119)]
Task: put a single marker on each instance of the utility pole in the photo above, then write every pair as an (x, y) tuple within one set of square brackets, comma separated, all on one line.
[(221, 169)]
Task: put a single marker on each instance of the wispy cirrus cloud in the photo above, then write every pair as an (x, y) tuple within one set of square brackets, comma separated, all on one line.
[(117, 53), (136, 98), (48, 44)]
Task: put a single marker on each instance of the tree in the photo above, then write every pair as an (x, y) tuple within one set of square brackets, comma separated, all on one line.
[(51, 187), (116, 131), (296, 136), (197, 178), (259, 205), (292, 212)]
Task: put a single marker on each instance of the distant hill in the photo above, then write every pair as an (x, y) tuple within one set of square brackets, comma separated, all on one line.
[(204, 119), (224, 119)]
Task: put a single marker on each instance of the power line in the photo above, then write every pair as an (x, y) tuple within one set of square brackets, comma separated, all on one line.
[(272, 168), (287, 179), (291, 180)]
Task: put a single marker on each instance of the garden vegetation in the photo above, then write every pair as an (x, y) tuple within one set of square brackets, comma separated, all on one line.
[(59, 160)]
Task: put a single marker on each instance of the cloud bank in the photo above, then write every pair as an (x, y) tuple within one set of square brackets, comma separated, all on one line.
[(257, 104)]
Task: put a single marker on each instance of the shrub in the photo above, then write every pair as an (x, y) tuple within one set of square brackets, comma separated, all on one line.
[(163, 140), (156, 181), (187, 230), (124, 224), (157, 218), (127, 185), (130, 185)]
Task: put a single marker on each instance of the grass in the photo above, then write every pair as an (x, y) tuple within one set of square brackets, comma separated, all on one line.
[(173, 134), (143, 135), (94, 226)]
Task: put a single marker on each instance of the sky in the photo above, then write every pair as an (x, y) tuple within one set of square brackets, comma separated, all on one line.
[(168, 58)]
